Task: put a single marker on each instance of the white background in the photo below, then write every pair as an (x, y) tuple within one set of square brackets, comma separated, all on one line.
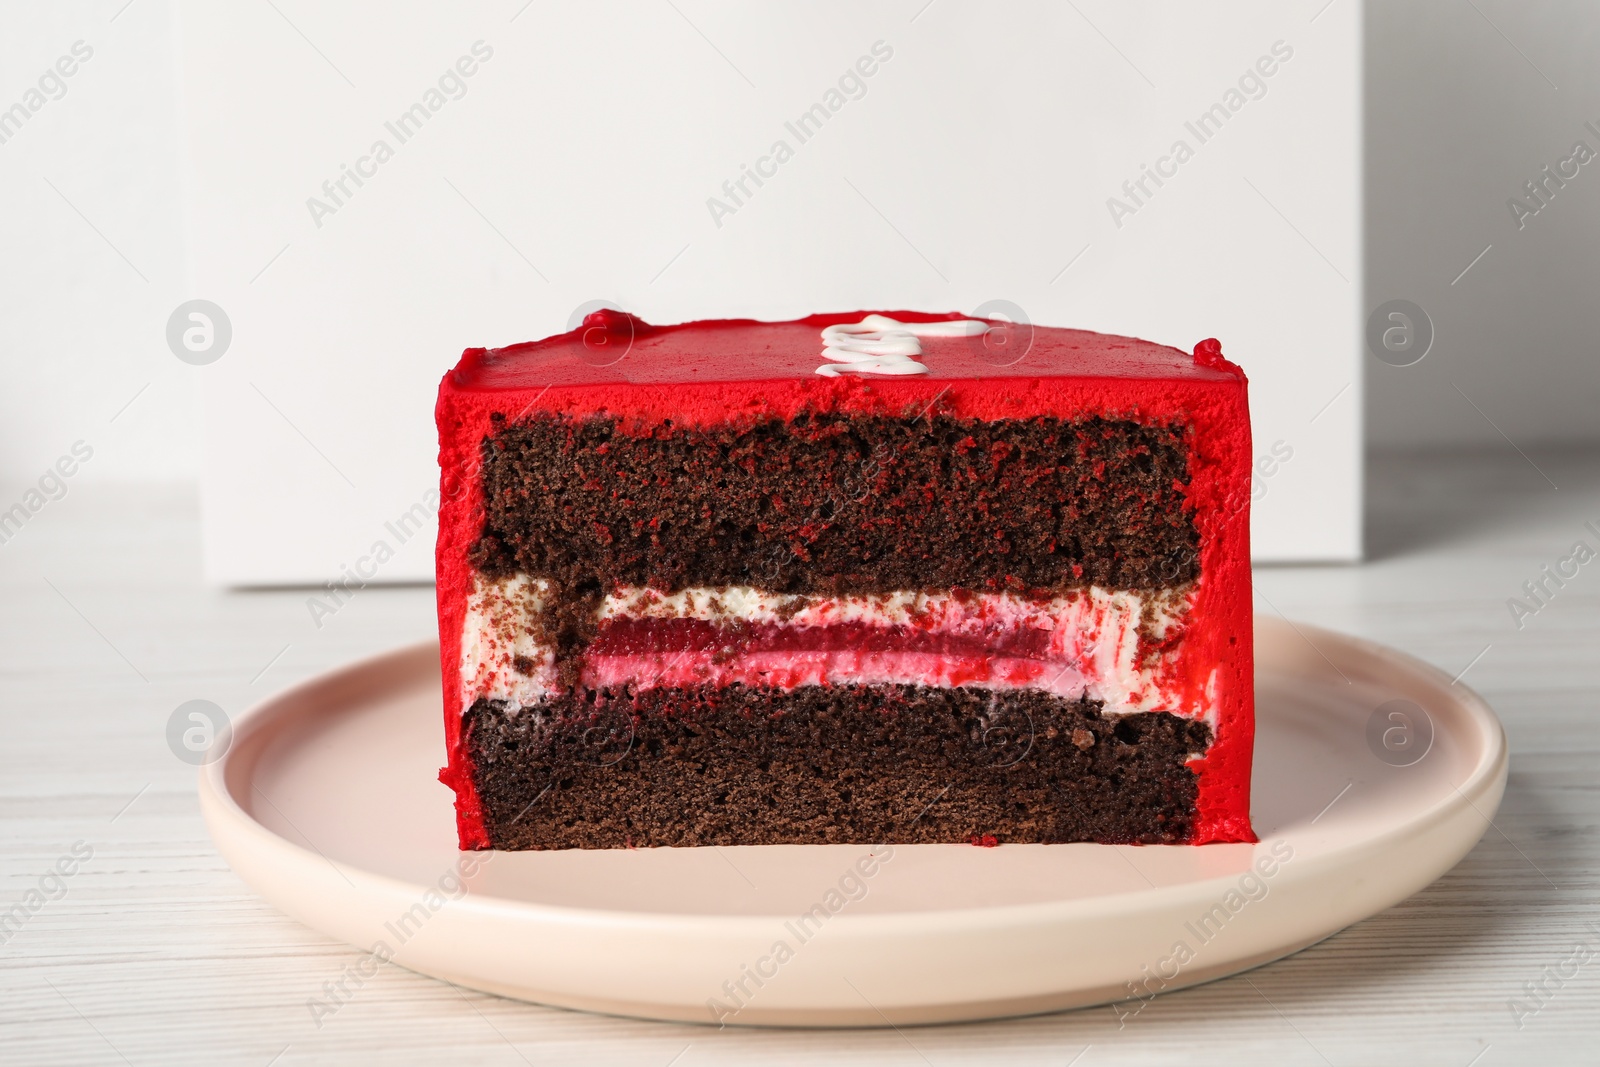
[(1463, 105)]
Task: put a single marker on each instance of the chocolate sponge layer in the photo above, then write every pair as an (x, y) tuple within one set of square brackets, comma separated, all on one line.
[(819, 764), (836, 504)]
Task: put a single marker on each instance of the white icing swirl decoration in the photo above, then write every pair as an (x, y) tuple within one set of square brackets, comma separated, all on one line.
[(881, 345)]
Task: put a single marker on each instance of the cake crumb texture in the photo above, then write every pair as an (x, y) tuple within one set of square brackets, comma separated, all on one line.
[(740, 765)]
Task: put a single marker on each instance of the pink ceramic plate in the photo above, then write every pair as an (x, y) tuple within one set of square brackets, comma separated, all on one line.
[(1374, 775)]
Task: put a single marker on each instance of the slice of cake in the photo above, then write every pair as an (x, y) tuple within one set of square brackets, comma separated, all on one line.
[(853, 578)]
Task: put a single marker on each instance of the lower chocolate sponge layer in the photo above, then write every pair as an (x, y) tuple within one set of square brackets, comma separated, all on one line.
[(741, 765)]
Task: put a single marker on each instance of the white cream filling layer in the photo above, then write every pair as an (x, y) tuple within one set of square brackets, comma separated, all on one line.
[(974, 614), (500, 658), (1100, 643)]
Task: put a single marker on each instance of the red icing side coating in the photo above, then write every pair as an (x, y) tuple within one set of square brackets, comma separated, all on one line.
[(740, 371)]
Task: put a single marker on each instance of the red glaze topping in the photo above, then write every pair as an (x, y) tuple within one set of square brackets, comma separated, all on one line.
[(615, 347), (1208, 353)]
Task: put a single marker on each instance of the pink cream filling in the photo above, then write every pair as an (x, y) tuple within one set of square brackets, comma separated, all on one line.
[(1104, 645), (687, 652), (786, 670), (660, 651)]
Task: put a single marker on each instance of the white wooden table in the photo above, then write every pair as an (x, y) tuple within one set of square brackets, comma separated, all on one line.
[(151, 951)]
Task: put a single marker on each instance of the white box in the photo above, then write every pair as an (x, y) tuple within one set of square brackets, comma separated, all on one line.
[(992, 154)]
